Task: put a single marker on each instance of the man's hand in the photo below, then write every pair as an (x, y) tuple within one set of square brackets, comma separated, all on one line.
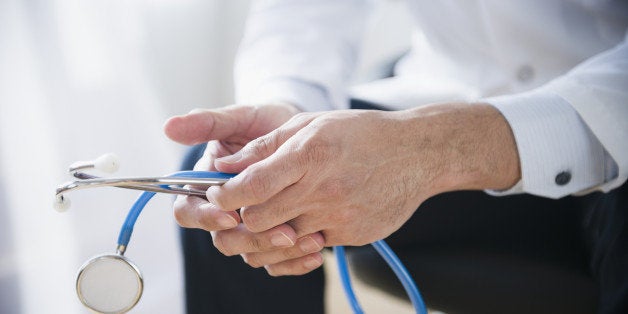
[(357, 176), (227, 130)]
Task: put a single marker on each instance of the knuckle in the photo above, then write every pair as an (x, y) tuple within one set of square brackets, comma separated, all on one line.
[(180, 213), (252, 260), (290, 253), (220, 200), (250, 218), (262, 146), (301, 117), (334, 189), (272, 271), (318, 149), (257, 185), (179, 216), (205, 221), (218, 239), (255, 244)]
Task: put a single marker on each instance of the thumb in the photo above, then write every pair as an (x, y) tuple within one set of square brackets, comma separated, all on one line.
[(203, 125)]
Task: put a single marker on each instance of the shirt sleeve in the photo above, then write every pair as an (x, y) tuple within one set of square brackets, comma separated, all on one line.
[(300, 51), (572, 133)]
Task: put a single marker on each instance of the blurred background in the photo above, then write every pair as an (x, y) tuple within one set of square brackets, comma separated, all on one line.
[(80, 78)]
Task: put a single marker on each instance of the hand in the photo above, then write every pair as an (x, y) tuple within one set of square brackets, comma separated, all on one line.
[(227, 130), (357, 176)]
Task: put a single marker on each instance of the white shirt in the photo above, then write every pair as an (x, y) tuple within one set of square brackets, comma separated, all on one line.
[(557, 70)]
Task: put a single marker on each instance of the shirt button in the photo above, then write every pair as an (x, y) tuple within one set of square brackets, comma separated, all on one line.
[(525, 73), (563, 178)]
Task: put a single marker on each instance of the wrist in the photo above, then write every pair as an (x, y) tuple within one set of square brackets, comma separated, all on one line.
[(468, 146)]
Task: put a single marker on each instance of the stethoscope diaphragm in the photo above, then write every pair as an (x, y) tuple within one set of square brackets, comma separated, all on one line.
[(109, 284)]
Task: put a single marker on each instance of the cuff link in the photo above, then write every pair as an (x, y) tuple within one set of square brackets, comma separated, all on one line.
[(563, 178)]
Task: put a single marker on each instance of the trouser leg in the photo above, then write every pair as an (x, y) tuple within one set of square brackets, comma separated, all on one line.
[(215, 283), (606, 225)]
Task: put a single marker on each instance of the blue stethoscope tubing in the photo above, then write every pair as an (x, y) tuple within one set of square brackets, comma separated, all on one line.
[(127, 227), (380, 246), (394, 263)]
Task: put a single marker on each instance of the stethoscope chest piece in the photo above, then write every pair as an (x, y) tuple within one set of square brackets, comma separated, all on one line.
[(109, 284)]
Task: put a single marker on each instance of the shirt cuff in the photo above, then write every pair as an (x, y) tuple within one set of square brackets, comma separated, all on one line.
[(306, 96), (558, 153)]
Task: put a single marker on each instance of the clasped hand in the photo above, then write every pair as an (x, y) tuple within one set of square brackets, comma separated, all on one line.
[(310, 180)]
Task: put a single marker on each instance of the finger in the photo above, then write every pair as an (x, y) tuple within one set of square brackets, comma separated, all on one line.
[(206, 162), (304, 246), (263, 146), (255, 184), (284, 206), (194, 212), (200, 125), (258, 182), (240, 240), (213, 150), (297, 266)]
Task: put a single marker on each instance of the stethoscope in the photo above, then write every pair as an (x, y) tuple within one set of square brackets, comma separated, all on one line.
[(112, 283)]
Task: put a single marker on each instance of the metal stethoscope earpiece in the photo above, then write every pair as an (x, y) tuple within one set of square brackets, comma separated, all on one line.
[(111, 283)]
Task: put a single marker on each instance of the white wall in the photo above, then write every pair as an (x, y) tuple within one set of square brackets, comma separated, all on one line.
[(80, 78)]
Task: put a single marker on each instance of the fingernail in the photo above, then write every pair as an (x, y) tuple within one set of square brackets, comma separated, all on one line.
[(281, 239), (227, 221), (311, 263), (308, 245), (231, 159)]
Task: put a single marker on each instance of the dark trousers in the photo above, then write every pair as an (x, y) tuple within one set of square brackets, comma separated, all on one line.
[(468, 252)]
